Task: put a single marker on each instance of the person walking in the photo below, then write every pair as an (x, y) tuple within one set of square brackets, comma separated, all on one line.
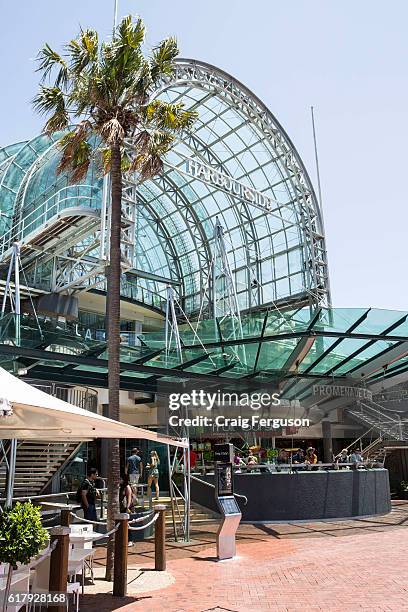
[(88, 495), (153, 473), (134, 467)]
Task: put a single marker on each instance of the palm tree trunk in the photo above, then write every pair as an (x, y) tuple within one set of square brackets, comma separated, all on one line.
[(113, 316)]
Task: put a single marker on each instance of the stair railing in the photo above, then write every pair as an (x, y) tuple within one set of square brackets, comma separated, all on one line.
[(209, 484)]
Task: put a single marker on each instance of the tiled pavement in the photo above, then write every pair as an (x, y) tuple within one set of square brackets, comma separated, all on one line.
[(338, 566)]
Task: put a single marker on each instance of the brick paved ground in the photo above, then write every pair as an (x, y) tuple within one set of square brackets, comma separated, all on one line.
[(338, 566)]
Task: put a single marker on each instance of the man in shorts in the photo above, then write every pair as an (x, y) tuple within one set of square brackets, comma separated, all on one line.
[(134, 467)]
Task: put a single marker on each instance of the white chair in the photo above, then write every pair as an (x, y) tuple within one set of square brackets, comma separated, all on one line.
[(81, 553), (40, 578), (73, 587), (20, 581)]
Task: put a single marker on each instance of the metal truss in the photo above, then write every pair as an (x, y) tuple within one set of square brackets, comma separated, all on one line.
[(76, 260), (171, 326), (191, 72)]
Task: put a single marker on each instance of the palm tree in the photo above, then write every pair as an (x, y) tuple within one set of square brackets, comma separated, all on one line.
[(105, 90)]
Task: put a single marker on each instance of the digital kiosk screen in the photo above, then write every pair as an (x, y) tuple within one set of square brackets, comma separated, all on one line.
[(224, 479), (229, 505)]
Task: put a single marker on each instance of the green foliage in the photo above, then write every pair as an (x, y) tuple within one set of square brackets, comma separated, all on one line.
[(22, 535), (108, 88)]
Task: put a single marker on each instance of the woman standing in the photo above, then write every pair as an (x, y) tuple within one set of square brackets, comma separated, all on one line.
[(125, 494), (153, 473)]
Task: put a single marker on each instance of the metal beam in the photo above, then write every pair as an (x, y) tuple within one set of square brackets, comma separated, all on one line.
[(93, 379), (337, 342), (188, 364), (16, 351), (150, 276)]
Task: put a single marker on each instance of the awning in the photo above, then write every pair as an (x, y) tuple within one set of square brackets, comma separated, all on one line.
[(35, 415)]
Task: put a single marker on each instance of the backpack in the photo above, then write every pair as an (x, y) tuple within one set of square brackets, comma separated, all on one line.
[(78, 496)]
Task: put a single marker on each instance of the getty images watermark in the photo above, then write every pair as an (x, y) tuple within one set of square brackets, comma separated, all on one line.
[(196, 402)]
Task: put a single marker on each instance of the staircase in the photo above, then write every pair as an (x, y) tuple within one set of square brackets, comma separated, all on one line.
[(373, 415), (375, 451), (198, 515), (36, 464)]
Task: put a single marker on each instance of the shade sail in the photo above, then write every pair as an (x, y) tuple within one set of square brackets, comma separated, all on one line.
[(39, 416)]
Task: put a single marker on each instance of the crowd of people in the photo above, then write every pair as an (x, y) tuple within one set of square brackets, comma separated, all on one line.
[(298, 456), (128, 494), (135, 471)]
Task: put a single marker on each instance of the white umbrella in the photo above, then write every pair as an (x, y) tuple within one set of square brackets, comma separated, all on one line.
[(27, 413), (31, 414)]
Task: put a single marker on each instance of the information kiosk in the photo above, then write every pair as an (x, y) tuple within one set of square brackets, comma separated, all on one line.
[(224, 497)]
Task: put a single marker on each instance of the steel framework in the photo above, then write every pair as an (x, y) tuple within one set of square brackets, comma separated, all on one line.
[(276, 256)]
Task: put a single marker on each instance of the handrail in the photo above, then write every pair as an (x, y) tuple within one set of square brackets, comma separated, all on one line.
[(30, 497), (209, 484), (64, 493)]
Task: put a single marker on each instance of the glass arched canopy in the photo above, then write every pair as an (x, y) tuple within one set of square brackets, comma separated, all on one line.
[(236, 166)]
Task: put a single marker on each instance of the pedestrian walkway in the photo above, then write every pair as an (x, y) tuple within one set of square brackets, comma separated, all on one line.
[(337, 566)]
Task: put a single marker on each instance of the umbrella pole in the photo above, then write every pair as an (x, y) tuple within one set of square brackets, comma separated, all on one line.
[(11, 473)]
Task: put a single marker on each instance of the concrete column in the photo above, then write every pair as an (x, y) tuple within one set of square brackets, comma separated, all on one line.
[(327, 442)]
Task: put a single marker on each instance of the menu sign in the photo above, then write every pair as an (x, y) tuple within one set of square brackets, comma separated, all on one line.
[(224, 453)]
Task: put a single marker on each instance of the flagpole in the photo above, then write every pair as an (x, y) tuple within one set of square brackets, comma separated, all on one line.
[(115, 15)]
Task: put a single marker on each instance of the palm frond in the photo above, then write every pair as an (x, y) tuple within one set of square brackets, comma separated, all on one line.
[(52, 100), (106, 155), (169, 116), (56, 123), (130, 33), (48, 59), (76, 152), (163, 56), (82, 51), (112, 131), (150, 149)]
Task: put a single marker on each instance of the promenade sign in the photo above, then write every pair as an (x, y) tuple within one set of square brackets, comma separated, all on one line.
[(342, 391)]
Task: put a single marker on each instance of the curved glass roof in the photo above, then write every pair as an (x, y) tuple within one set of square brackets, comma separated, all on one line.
[(276, 255)]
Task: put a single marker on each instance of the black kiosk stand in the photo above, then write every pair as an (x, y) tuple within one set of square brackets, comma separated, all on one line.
[(224, 497)]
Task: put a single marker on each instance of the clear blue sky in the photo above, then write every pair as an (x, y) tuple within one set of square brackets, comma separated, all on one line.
[(348, 58)]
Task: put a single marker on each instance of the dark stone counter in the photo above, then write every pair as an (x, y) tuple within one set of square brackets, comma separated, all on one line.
[(304, 495)]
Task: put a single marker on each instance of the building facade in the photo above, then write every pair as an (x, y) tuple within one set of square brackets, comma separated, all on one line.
[(224, 278)]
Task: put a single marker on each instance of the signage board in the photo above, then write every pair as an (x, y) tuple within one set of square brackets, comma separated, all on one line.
[(342, 391), (214, 177), (224, 452)]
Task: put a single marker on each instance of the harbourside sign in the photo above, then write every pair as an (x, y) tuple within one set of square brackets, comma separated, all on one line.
[(342, 391), (207, 174)]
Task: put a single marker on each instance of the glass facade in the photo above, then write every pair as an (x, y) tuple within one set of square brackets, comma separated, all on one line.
[(276, 251)]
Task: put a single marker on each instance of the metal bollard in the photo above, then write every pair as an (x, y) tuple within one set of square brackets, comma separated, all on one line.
[(59, 563), (121, 554), (160, 539)]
